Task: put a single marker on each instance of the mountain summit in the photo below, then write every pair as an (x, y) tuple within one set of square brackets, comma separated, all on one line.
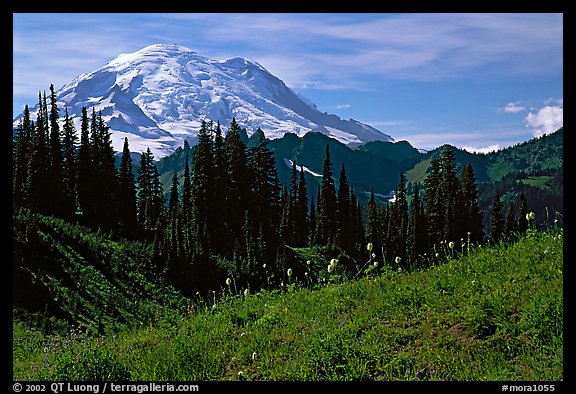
[(158, 96)]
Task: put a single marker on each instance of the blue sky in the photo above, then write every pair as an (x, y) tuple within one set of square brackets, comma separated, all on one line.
[(477, 81)]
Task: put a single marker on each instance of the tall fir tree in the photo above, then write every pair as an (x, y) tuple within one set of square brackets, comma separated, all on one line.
[(373, 225), (522, 211), (265, 205), (510, 223), (496, 219), (449, 195), (326, 209), (237, 181), (344, 232), (56, 191), (471, 225), (302, 218), (70, 165), (85, 169), (149, 197), (23, 145), (433, 204), (417, 242), (37, 184), (126, 196), (203, 192)]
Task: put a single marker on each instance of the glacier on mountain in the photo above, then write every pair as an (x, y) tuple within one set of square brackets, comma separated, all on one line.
[(157, 97)]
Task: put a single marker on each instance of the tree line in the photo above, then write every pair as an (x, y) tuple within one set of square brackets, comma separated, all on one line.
[(228, 215)]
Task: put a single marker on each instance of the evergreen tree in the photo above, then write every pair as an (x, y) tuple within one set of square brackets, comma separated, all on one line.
[(37, 184), (187, 209), (173, 204), (286, 223), (85, 169), (510, 224), (326, 209), (22, 152), (344, 234), (219, 174), (469, 209), (126, 197), (417, 232), (150, 201), (70, 169), (238, 182), (496, 219), (104, 176), (373, 225), (522, 211), (433, 204), (55, 162), (398, 222), (449, 195), (302, 219), (312, 234), (203, 191), (265, 206)]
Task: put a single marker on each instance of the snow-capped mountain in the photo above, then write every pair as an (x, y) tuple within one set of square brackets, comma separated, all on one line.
[(158, 96)]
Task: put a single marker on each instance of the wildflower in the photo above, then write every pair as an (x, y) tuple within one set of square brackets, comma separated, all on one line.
[(469, 233), (530, 216), (437, 255), (281, 284), (246, 293), (375, 264), (397, 260), (333, 262), (228, 281), (308, 262), (373, 255), (330, 267), (289, 272), (254, 356), (241, 335), (451, 245), (369, 246), (556, 221), (264, 265), (306, 273)]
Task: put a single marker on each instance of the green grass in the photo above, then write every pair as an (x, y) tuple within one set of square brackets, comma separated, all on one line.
[(537, 181), (495, 314)]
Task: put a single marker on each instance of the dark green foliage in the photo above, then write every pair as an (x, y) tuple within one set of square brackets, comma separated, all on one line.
[(326, 209), (83, 277), (150, 198), (70, 166), (496, 220), (126, 197), (469, 215), (344, 224)]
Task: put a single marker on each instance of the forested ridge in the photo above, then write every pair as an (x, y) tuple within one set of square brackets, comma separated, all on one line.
[(228, 215)]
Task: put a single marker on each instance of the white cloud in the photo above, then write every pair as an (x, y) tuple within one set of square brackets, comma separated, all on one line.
[(513, 108), (547, 120), (485, 149), (343, 106)]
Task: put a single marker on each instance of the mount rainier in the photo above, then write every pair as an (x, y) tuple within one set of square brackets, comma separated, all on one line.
[(158, 96)]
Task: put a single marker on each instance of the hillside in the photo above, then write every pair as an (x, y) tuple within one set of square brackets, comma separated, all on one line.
[(64, 274), (493, 314)]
